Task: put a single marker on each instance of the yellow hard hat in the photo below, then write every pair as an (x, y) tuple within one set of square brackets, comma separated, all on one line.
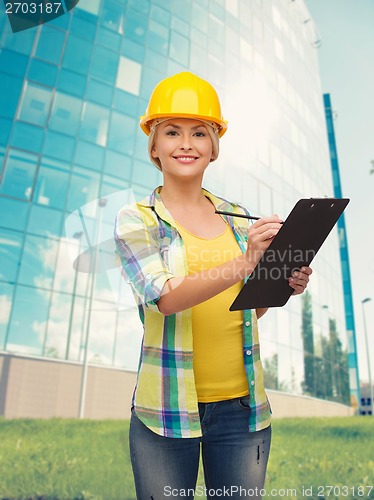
[(187, 96)]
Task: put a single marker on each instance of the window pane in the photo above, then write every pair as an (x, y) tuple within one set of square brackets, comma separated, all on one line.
[(133, 50), (89, 155), (51, 184), (112, 16), (216, 30), (50, 44), (158, 37), (6, 298), (157, 61), (84, 186), (141, 6), (180, 26), (129, 74), (5, 126), (77, 331), (35, 104), (99, 92), (13, 62), (102, 327), (181, 9), (94, 126), (77, 54), (65, 114), (150, 78), (179, 48), (67, 279), (58, 325), (117, 164), (21, 43), (14, 213), (91, 6), (10, 250), (122, 133), (26, 136), (10, 91), (59, 146), (128, 103), (144, 174), (111, 185), (82, 28), (45, 221), (38, 262), (108, 38), (71, 83), (62, 21), (28, 321), (42, 72), (129, 338), (135, 26), (19, 175), (104, 64), (160, 15)]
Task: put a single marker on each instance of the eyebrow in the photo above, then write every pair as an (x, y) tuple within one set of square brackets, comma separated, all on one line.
[(178, 127)]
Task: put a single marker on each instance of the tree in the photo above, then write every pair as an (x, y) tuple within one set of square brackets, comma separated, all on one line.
[(308, 342), (271, 379), (339, 364)]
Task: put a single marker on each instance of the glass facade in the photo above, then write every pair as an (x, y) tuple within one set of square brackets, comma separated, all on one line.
[(71, 95)]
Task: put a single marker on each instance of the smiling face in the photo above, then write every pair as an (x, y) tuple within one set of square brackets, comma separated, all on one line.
[(183, 147)]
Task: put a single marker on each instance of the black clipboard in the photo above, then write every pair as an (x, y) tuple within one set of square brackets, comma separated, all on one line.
[(296, 244)]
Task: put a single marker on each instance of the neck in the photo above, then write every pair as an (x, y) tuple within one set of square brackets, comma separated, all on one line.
[(185, 194)]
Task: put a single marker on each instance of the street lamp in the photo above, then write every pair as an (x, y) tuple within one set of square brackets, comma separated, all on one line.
[(363, 302)]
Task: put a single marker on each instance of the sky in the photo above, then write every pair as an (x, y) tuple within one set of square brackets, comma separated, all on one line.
[(346, 59)]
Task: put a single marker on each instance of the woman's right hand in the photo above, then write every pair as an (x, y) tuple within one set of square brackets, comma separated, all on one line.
[(260, 235)]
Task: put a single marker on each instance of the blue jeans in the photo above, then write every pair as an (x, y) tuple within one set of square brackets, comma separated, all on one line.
[(234, 459)]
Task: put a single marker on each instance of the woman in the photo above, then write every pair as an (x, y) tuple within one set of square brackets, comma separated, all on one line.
[(200, 378)]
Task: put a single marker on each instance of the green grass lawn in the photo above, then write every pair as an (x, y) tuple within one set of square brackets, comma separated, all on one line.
[(86, 459)]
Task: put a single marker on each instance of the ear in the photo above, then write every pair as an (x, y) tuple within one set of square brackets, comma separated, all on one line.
[(154, 153)]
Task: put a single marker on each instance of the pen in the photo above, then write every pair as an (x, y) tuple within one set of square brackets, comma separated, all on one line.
[(238, 215), (251, 217)]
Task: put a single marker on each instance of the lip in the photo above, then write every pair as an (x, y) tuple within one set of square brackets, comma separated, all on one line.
[(186, 158)]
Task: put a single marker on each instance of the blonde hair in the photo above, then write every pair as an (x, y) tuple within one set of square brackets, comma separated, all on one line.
[(210, 126)]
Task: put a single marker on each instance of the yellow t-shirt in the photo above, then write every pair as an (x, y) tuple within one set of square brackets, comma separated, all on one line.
[(217, 333)]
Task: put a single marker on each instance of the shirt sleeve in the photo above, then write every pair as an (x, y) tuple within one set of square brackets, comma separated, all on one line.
[(140, 255)]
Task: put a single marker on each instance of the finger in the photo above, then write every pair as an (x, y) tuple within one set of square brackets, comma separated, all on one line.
[(275, 227), (266, 220), (298, 289), (307, 270), (299, 276), (268, 234), (297, 282)]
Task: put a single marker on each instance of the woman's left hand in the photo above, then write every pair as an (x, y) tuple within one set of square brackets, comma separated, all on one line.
[(299, 280)]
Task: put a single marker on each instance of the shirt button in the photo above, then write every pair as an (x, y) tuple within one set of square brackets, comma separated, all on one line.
[(247, 323), (249, 352), (252, 382)]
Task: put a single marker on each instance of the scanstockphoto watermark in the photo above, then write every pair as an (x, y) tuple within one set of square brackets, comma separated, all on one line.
[(26, 14), (280, 264), (305, 491), (273, 265), (228, 492)]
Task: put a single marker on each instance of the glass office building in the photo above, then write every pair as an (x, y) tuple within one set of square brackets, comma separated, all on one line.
[(71, 93)]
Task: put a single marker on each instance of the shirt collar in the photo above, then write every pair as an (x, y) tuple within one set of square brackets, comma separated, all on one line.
[(155, 203)]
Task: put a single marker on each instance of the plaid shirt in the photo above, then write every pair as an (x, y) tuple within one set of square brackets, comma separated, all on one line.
[(151, 252)]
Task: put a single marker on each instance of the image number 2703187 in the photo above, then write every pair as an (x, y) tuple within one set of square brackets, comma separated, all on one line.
[(28, 14)]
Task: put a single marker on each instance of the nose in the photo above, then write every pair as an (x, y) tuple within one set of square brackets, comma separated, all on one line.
[(186, 142)]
